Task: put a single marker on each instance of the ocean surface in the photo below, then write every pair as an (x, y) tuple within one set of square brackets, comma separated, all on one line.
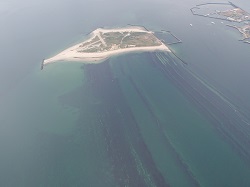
[(139, 119)]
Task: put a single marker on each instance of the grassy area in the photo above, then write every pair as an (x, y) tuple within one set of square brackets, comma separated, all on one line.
[(116, 40), (95, 39), (140, 39)]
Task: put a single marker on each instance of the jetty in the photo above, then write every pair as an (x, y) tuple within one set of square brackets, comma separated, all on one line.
[(178, 57), (133, 25), (42, 64), (171, 34)]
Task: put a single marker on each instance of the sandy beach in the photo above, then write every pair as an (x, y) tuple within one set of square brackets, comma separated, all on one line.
[(73, 54)]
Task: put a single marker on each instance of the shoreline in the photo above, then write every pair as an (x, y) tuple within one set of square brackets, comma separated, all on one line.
[(71, 54)]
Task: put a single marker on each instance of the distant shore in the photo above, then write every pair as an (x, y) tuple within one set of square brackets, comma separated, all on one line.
[(72, 54)]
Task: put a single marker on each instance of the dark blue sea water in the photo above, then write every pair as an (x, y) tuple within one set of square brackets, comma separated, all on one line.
[(142, 119)]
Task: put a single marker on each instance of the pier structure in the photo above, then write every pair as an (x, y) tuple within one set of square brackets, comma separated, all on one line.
[(173, 35), (233, 4), (138, 26), (42, 64), (229, 3)]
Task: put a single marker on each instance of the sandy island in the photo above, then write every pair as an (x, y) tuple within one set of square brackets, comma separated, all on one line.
[(104, 43)]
